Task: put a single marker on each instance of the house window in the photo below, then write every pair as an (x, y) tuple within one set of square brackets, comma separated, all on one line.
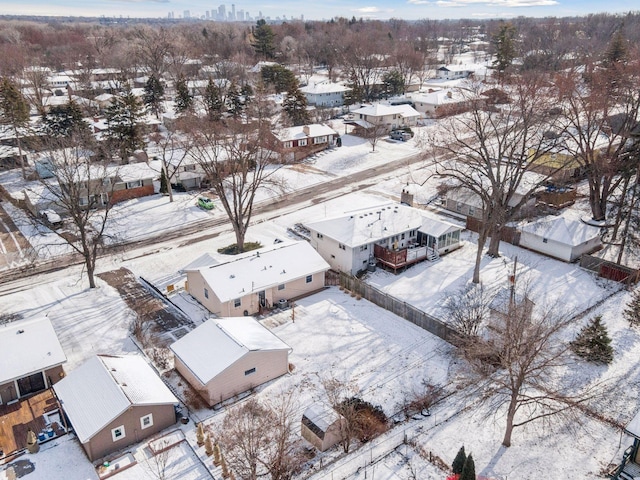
[(302, 142), (83, 201), (117, 433), (106, 182), (237, 302), (472, 211), (249, 372), (363, 247), (309, 279), (319, 235), (545, 240), (189, 168), (281, 286), (206, 293), (459, 207), (320, 140), (146, 421), (288, 144), (134, 184), (341, 246), (402, 237)]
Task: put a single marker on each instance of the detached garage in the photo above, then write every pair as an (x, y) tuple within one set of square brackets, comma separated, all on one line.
[(224, 357), (560, 238)]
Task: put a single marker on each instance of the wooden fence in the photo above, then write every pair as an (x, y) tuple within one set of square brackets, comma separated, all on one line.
[(428, 322), (609, 270)]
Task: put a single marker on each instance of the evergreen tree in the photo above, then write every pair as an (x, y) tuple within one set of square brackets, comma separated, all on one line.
[(124, 130), (632, 312), (263, 40), (164, 187), (213, 102), (617, 50), (282, 79), (593, 342), (458, 462), (14, 112), (295, 107), (64, 120), (235, 105), (504, 43), (468, 470), (183, 99), (393, 83), (356, 94), (154, 95)]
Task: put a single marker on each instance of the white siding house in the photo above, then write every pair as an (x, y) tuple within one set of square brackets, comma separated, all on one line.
[(325, 94), (222, 358), (560, 238)]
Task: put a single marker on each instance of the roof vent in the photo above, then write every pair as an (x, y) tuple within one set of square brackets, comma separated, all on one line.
[(20, 331), (232, 276)]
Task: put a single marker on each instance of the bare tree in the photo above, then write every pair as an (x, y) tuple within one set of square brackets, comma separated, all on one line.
[(174, 148), (516, 361), (238, 159), (158, 463), (489, 152), (337, 392), (374, 132), (468, 309), (81, 192)]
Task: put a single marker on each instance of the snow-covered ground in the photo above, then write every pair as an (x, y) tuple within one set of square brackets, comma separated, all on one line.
[(335, 334)]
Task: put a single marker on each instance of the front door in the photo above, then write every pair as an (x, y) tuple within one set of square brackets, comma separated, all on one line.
[(31, 384), (262, 299)]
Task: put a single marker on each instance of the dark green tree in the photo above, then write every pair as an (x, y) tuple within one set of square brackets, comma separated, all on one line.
[(504, 44), (62, 121), (617, 50), (124, 131), (295, 107), (393, 82), (183, 99), (593, 342), (235, 104), (154, 95), (213, 101), (458, 462), (263, 40), (282, 79), (164, 187), (356, 94), (14, 112), (632, 312), (469, 469)]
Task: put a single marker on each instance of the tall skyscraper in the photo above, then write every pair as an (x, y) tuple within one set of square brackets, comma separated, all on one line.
[(233, 12), (222, 13), (186, 14)]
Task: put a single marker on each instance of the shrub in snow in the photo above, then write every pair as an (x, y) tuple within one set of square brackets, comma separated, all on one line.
[(593, 342), (469, 469), (458, 462)]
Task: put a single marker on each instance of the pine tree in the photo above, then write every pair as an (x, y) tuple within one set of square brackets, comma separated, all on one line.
[(164, 187), (468, 470), (124, 129), (504, 43), (14, 112), (632, 312), (593, 342), (235, 105), (183, 99), (263, 38), (617, 50), (458, 462), (154, 95), (65, 120), (213, 103), (295, 106)]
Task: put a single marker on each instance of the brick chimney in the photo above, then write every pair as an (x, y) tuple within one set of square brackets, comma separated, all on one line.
[(306, 130)]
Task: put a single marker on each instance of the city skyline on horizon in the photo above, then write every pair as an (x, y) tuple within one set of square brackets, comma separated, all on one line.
[(367, 9)]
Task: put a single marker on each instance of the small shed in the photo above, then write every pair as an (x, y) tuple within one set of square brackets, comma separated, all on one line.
[(31, 358), (115, 401), (225, 357), (560, 238), (322, 426)]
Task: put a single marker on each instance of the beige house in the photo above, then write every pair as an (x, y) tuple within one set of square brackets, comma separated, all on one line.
[(115, 401), (31, 358), (258, 280), (224, 357), (391, 116), (322, 426)]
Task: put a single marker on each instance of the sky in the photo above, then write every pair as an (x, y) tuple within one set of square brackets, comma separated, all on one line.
[(324, 9)]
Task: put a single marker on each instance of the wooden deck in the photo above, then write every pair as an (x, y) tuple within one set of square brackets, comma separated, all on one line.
[(16, 420)]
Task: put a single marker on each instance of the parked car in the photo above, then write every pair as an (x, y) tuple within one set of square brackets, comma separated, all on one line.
[(51, 218), (400, 135), (205, 203)]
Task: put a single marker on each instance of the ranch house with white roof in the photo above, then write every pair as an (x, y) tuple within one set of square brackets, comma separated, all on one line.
[(391, 116), (115, 401), (394, 236), (31, 358), (225, 357), (258, 280), (325, 94), (297, 143)]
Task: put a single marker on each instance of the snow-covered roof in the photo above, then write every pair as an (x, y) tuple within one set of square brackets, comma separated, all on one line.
[(204, 260), (562, 230), (261, 269), (379, 110), (435, 227), (323, 87), (321, 415), (440, 97), (101, 389), (230, 339), (633, 428), (461, 68), (362, 227), (104, 97), (304, 131), (28, 346)]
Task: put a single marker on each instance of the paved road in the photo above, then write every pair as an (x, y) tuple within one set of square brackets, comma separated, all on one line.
[(203, 230)]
